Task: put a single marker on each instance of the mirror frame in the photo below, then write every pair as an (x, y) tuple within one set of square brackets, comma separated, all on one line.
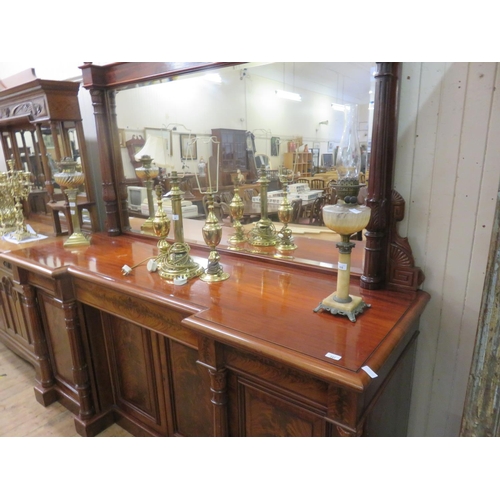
[(388, 261)]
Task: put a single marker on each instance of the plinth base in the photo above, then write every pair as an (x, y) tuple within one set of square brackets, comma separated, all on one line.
[(77, 240), (349, 309)]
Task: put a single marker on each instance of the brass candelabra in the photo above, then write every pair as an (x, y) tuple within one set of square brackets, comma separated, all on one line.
[(16, 187)]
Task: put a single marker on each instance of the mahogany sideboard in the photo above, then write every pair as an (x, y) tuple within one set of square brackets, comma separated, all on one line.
[(243, 357)]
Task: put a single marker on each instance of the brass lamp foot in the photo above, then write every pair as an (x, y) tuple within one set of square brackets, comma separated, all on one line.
[(77, 239), (349, 309)]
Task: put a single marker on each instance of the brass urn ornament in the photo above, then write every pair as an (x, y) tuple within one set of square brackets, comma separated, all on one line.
[(148, 172), (237, 208), (161, 228), (212, 233), (212, 230)]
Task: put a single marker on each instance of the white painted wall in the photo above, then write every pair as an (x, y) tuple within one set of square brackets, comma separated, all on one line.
[(447, 170)]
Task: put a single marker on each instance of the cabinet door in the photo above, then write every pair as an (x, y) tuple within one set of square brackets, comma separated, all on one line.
[(258, 411), (13, 321)]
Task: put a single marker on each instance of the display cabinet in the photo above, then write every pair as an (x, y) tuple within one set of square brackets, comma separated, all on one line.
[(40, 124), (300, 162), (233, 152)]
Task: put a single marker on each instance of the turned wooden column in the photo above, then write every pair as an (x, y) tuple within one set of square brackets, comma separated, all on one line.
[(101, 104), (381, 173), (80, 368), (45, 389), (211, 357)]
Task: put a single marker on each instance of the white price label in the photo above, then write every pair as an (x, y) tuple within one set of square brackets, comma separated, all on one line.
[(72, 204), (175, 217), (342, 266), (370, 372), (330, 355)]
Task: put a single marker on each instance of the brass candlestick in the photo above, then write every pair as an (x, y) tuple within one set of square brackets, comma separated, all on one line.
[(264, 233), (286, 245), (161, 228), (147, 172), (237, 208), (70, 179), (212, 233), (178, 263)]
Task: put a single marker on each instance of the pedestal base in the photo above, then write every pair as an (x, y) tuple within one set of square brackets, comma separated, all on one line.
[(76, 240), (349, 309)]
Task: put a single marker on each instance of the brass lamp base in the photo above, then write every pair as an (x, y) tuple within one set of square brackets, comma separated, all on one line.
[(350, 309), (214, 271), (178, 263), (77, 239)]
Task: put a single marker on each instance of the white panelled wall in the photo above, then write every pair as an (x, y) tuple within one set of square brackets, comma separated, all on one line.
[(448, 171)]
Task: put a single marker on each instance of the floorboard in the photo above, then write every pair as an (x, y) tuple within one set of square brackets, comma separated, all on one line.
[(20, 413)]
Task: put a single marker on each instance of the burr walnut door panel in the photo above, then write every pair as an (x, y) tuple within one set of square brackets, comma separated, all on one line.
[(156, 380), (258, 411)]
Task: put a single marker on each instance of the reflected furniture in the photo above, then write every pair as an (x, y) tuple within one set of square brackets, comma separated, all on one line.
[(40, 124), (299, 162)]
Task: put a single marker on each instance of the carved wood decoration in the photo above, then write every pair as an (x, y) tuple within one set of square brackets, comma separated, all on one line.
[(402, 273)]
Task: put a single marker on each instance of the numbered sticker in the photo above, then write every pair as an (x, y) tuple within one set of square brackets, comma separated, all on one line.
[(342, 266), (175, 217)]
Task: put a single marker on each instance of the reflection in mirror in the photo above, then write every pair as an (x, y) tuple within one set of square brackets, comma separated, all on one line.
[(242, 109)]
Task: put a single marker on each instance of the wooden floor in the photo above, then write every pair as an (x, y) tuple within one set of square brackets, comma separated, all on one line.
[(21, 415)]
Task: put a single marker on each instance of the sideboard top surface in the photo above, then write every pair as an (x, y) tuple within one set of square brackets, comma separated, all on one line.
[(263, 306)]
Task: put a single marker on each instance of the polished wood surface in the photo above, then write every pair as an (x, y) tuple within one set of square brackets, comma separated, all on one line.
[(280, 293)]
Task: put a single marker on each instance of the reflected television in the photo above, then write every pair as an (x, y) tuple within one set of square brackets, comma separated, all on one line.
[(135, 197)]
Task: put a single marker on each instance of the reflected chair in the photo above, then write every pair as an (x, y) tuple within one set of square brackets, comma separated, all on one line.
[(317, 184), (226, 197), (248, 194), (296, 210), (303, 181), (316, 217)]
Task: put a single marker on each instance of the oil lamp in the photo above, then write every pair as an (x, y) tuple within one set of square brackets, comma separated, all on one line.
[(147, 172), (346, 218), (70, 179)]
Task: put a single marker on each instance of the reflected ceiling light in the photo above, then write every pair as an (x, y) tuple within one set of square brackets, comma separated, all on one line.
[(288, 95), (213, 77), (338, 107)]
